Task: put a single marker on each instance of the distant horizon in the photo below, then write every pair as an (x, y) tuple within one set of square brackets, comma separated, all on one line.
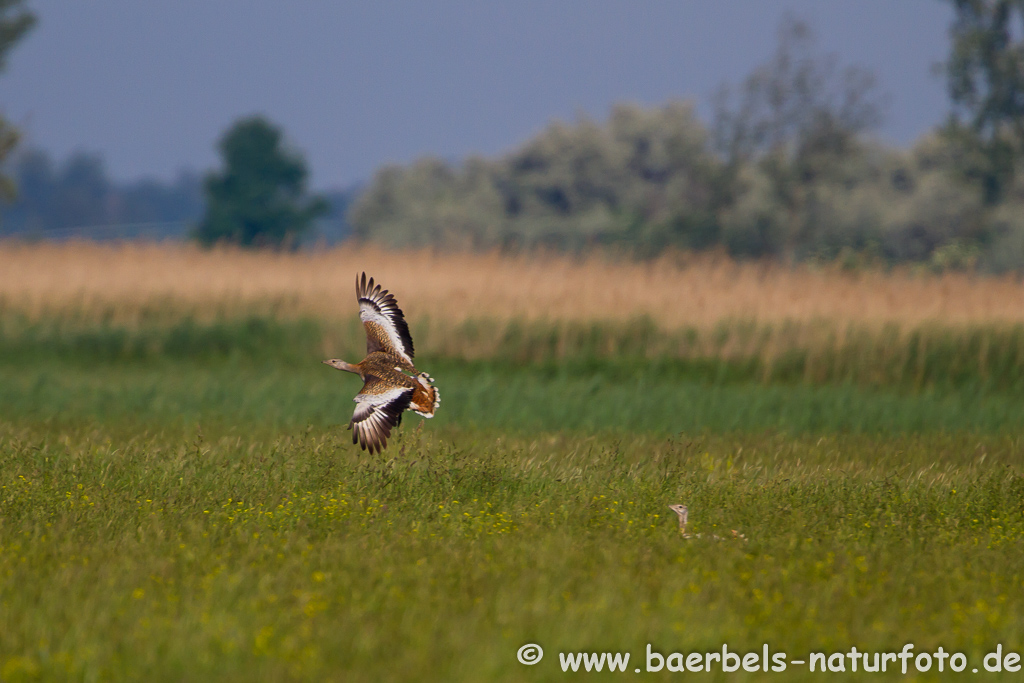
[(151, 88)]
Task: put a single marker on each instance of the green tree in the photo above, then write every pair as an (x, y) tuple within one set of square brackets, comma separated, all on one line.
[(15, 22), (260, 197), (986, 84), (645, 179), (800, 118)]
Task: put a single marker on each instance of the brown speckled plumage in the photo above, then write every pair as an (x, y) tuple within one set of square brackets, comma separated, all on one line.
[(391, 383)]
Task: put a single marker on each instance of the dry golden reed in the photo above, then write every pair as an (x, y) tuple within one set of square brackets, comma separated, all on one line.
[(125, 281)]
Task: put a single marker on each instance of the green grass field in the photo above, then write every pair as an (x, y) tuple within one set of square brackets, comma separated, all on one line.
[(187, 505)]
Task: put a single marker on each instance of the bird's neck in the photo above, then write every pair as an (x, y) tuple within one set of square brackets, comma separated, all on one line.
[(348, 367)]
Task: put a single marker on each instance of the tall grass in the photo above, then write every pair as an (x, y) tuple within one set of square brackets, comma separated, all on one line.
[(983, 358), (289, 393), (135, 282)]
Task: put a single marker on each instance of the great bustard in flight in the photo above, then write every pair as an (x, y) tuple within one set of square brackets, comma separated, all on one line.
[(391, 384)]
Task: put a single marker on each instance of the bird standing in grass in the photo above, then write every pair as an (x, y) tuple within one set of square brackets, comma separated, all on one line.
[(391, 383), (684, 517)]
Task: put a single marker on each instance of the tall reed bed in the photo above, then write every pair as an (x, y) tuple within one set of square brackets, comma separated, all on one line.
[(139, 282)]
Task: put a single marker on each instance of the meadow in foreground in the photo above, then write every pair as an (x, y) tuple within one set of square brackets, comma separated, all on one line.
[(252, 553)]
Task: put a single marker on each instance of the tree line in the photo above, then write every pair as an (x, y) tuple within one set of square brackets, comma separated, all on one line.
[(787, 168), (77, 196)]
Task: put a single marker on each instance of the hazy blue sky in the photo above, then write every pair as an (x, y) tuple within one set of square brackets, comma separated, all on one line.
[(152, 85)]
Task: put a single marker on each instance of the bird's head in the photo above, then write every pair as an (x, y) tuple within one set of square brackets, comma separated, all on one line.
[(336, 363), (682, 511)]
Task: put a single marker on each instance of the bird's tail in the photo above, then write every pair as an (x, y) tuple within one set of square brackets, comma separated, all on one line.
[(425, 398)]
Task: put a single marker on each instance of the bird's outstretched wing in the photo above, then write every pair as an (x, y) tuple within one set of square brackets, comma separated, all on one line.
[(386, 329), (379, 407)]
